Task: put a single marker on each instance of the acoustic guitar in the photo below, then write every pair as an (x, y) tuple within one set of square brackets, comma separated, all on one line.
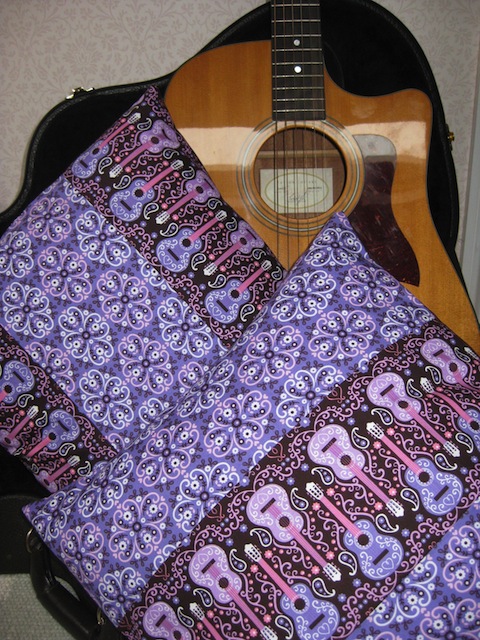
[(287, 147)]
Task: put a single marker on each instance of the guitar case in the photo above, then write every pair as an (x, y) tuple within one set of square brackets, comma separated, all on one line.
[(367, 52)]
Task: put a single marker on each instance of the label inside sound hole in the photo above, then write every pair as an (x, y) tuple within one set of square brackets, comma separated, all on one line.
[(297, 192)]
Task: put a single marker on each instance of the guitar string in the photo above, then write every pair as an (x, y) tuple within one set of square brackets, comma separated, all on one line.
[(319, 93), (298, 131), (305, 42), (286, 133), (275, 106), (295, 30), (318, 152)]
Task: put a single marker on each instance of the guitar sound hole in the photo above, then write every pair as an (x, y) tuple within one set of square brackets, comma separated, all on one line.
[(345, 460), (424, 477), (299, 172), (363, 540), (300, 604), (223, 582), (284, 521)]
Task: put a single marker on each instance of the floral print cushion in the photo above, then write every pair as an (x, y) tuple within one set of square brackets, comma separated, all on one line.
[(117, 290), (439, 599), (324, 457)]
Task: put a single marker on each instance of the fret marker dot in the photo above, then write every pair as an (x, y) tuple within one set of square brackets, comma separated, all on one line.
[(297, 68), (296, 42)]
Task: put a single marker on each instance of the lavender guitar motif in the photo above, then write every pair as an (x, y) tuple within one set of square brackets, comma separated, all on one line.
[(378, 555), (161, 136), (209, 568), (50, 480), (160, 621), (128, 203), (61, 428), (439, 492), (452, 369), (331, 446), (86, 165), (468, 421), (16, 379), (175, 253), (9, 438), (198, 191), (314, 619), (243, 240), (388, 390), (270, 507), (225, 303)]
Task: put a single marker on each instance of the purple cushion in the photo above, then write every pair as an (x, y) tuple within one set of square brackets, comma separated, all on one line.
[(326, 453), (118, 291)]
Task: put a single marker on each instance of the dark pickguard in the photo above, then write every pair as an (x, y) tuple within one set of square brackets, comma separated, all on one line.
[(373, 218)]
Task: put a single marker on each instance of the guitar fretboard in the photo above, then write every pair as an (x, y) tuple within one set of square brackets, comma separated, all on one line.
[(297, 61)]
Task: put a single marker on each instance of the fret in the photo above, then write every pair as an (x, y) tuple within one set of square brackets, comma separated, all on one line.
[(316, 50), (311, 102), (297, 60), (312, 96)]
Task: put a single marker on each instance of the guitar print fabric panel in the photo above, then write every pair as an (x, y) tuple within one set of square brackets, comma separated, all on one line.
[(328, 452), (120, 284), (439, 599), (334, 516)]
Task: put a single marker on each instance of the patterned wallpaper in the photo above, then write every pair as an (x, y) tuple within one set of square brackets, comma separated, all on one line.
[(47, 47)]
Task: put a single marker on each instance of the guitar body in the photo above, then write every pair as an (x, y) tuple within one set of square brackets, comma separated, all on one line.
[(377, 146)]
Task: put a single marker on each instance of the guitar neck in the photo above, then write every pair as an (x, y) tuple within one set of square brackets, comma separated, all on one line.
[(298, 88)]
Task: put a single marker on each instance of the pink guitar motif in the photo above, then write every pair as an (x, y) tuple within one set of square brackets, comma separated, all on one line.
[(128, 203), (224, 304), (49, 480), (175, 253), (331, 446), (87, 163), (209, 568), (16, 379), (452, 369), (388, 390), (270, 507), (160, 621), (314, 619), (198, 190), (154, 141), (201, 616), (378, 555), (439, 492), (61, 427), (9, 438), (468, 420), (243, 241)]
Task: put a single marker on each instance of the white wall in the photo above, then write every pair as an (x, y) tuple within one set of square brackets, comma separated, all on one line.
[(47, 47)]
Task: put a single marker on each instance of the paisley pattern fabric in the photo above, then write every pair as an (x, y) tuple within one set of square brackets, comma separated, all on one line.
[(440, 598), (322, 459), (119, 285)]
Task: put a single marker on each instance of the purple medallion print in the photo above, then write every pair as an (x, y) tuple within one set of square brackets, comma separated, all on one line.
[(123, 282), (295, 490)]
